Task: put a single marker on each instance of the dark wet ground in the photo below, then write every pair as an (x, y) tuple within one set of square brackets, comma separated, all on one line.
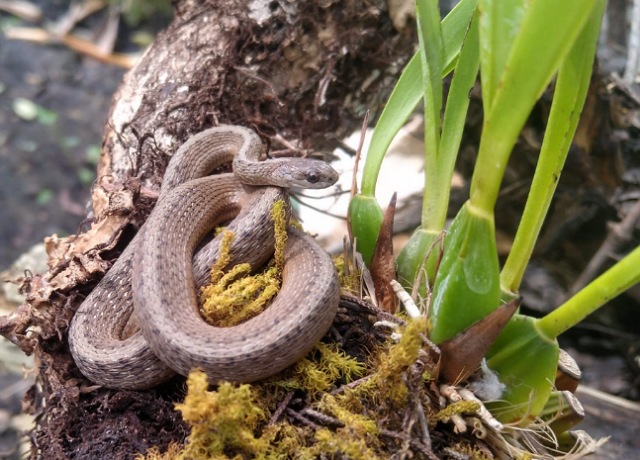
[(47, 164), (53, 107)]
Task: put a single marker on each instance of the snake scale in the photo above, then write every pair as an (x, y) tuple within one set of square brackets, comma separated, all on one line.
[(141, 325)]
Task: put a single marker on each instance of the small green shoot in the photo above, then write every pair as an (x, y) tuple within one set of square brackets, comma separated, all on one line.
[(365, 214)]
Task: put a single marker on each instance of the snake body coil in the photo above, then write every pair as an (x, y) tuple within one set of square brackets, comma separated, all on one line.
[(141, 323)]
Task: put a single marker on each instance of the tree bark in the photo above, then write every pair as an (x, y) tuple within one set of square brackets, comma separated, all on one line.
[(302, 74)]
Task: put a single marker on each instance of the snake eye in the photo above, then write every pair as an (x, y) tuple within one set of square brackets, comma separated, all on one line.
[(313, 178)]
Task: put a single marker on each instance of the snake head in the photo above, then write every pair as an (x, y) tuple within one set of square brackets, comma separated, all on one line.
[(308, 173)]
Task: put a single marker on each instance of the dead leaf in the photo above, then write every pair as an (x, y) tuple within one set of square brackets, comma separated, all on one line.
[(383, 265), (461, 355)]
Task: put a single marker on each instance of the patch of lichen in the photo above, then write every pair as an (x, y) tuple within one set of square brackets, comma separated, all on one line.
[(235, 296)]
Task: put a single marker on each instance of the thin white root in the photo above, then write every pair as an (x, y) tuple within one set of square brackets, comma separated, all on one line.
[(404, 297)]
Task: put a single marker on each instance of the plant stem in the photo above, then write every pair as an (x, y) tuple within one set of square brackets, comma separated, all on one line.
[(431, 57), (611, 283)]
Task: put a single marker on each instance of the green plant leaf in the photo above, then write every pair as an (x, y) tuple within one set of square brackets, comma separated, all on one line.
[(408, 92), (412, 258), (611, 283), (455, 115), (365, 218), (547, 33), (526, 362), (431, 55), (403, 100), (570, 93), (436, 196), (499, 25), (453, 27), (467, 285)]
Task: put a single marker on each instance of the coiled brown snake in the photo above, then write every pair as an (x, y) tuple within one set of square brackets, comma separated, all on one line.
[(141, 323)]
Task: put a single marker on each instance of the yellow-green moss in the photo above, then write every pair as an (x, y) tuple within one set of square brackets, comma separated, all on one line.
[(357, 439), (236, 296), (224, 424), (387, 383), (357, 424), (469, 451), (328, 442), (457, 408), (279, 216), (348, 275), (154, 453), (320, 369), (285, 441), (221, 419)]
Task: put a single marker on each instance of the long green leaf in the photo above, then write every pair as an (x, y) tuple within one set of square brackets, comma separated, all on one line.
[(408, 92), (548, 31), (436, 196), (401, 104), (570, 93), (455, 115), (431, 56), (499, 24)]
